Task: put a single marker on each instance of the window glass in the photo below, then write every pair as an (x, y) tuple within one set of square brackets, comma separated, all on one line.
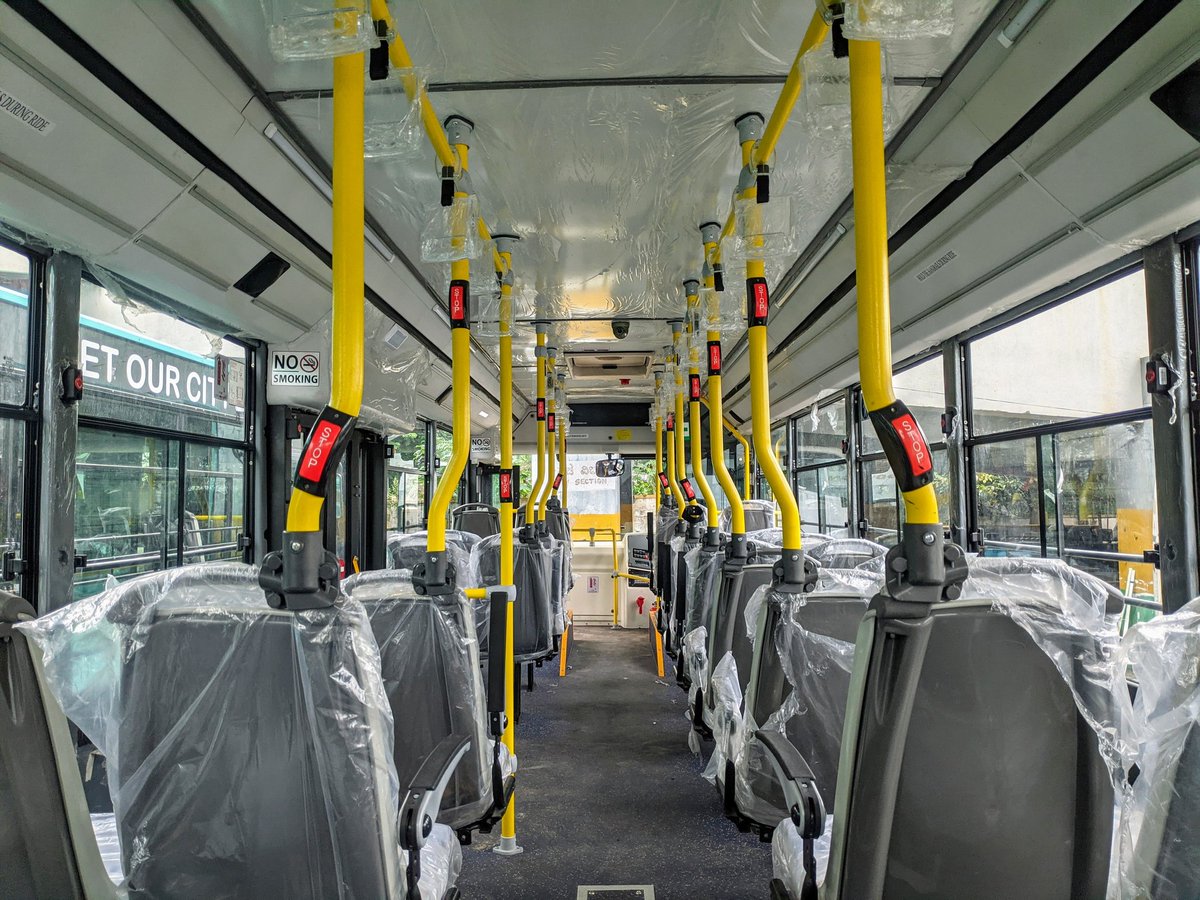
[(1106, 497), (1007, 498), (1081, 358), (820, 433), (15, 276), (150, 368), (12, 487), (779, 444), (126, 507), (645, 483), (406, 482), (881, 505), (215, 498), (823, 495), (923, 388)]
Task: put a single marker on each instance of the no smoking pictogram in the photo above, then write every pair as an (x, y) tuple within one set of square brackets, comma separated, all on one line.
[(308, 363)]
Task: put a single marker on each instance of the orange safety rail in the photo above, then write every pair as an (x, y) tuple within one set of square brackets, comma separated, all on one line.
[(566, 642)]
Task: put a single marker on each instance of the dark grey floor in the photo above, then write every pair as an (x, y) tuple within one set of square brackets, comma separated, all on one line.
[(609, 792)]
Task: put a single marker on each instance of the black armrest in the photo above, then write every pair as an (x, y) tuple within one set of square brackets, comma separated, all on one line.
[(421, 804), (500, 599), (799, 786)]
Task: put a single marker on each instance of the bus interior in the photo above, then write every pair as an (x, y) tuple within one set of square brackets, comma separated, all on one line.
[(519, 449)]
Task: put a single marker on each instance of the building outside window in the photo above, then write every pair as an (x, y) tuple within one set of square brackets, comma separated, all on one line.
[(407, 475), (822, 472), (1061, 450)]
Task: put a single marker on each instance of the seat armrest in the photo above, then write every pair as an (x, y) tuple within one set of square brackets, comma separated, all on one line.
[(804, 802), (423, 798)]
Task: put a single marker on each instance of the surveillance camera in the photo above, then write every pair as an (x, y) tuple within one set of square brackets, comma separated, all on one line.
[(620, 329)]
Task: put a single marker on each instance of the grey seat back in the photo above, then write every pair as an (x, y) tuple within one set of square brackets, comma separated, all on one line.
[(558, 523), (35, 836), (800, 681), (261, 736), (429, 659), (477, 518), (969, 768), (532, 611), (731, 633), (844, 553)]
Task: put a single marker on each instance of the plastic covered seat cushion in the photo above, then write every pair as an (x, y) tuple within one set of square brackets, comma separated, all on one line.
[(263, 736), (843, 553), (813, 648), (1159, 853), (759, 514), (407, 551), (532, 613), (429, 658)]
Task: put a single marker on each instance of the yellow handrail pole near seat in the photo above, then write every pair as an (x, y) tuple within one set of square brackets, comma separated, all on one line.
[(695, 433), (328, 437), (747, 451), (508, 496), (794, 570), (539, 388), (922, 567), (709, 232), (460, 371), (562, 457), (659, 461), (672, 468), (549, 457), (680, 455)]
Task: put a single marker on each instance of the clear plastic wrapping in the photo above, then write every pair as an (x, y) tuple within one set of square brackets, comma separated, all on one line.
[(812, 646), (898, 20), (451, 232), (787, 855), (441, 863), (727, 719), (232, 726), (704, 574), (1072, 616), (760, 514), (1159, 852), (532, 615), (406, 550), (843, 553), (825, 101), (429, 657), (317, 29), (392, 125)]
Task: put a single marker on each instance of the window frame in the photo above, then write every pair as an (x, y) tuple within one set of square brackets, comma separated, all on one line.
[(844, 398)]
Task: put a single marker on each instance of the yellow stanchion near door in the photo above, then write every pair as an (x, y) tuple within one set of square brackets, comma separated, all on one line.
[(673, 468), (685, 486), (747, 450), (547, 455), (922, 566), (539, 384), (304, 574)]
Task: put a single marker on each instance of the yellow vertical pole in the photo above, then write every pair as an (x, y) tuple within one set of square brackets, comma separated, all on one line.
[(710, 231), (549, 457), (758, 308), (680, 456), (695, 434), (319, 458), (913, 464), (616, 581), (504, 243), (673, 475), (539, 424), (458, 130), (562, 454)]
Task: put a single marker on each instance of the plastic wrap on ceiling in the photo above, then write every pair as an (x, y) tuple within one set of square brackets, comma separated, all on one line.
[(607, 184)]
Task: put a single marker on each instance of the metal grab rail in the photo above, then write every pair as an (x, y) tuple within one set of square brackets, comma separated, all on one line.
[(137, 559)]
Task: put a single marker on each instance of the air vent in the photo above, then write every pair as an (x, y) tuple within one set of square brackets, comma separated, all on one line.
[(609, 365), (1179, 98), (264, 274)]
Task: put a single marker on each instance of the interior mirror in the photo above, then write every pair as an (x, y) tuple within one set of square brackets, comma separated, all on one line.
[(610, 468)]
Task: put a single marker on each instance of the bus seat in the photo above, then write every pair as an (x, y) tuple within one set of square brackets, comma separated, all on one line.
[(407, 550), (479, 519), (703, 566), (1160, 814), (532, 613), (429, 657), (798, 685), (46, 837), (261, 736), (844, 553), (759, 514), (983, 737)]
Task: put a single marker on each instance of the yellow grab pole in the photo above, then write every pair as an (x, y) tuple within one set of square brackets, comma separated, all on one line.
[(460, 371), (758, 307), (616, 581), (672, 468), (747, 452), (912, 462), (327, 439), (539, 424), (562, 456), (504, 244), (709, 232), (695, 435), (686, 494), (813, 37), (548, 456)]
